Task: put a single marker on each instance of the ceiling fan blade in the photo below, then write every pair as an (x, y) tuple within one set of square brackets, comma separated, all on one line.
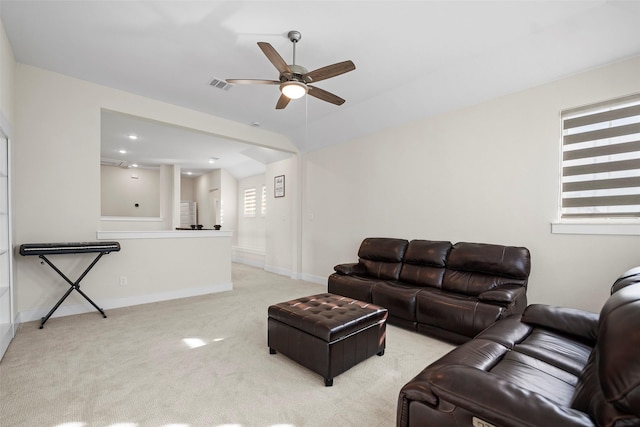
[(324, 95), (274, 57), (329, 71), (283, 101), (253, 82)]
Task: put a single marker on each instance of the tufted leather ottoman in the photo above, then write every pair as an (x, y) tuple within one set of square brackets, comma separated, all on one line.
[(327, 333)]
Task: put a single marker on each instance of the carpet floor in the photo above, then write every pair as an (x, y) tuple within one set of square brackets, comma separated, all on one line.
[(200, 361)]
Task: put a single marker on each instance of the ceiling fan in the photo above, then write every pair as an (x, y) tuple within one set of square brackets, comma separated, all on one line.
[(294, 80)]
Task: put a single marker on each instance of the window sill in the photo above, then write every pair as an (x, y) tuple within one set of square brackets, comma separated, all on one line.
[(605, 228)]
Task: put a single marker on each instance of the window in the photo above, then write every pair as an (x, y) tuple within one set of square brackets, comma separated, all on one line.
[(250, 202), (263, 207), (601, 161)]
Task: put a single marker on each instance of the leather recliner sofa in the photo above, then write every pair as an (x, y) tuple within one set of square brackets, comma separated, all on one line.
[(450, 291), (550, 366)]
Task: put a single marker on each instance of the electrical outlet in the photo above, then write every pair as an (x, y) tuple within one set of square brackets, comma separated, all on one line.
[(123, 280)]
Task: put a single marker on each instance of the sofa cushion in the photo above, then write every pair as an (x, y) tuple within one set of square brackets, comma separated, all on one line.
[(473, 268), (558, 350), (382, 257), (462, 314), (424, 263), (536, 375), (399, 299)]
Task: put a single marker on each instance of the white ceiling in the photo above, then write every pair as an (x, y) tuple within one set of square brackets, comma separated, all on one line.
[(159, 143), (413, 58)]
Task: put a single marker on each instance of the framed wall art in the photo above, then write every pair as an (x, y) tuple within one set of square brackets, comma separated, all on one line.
[(278, 186)]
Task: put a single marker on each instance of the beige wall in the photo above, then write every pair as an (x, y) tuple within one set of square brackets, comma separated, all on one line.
[(57, 177), (187, 188), (122, 189), (208, 186), (489, 173), (229, 203), (7, 92), (251, 230), (281, 245)]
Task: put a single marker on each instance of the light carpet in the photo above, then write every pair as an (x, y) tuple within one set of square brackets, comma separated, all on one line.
[(200, 361)]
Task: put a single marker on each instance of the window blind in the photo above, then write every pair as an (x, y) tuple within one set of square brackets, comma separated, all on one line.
[(601, 160), (250, 202), (263, 206)]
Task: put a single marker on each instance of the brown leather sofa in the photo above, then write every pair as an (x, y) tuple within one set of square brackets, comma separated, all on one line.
[(550, 366), (450, 291)]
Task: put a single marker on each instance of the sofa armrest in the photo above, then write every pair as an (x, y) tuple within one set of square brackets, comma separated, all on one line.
[(500, 402), (351, 269), (505, 294), (579, 323)]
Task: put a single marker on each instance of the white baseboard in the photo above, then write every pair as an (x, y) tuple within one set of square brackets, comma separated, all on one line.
[(251, 262), (278, 270), (320, 280), (248, 256), (68, 310), (7, 332)]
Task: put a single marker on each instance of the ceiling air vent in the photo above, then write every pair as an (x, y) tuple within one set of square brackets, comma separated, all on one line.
[(220, 84)]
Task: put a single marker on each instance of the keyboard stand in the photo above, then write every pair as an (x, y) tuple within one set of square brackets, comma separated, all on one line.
[(42, 250)]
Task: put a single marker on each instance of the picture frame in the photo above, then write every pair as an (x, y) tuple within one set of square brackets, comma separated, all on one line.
[(278, 186)]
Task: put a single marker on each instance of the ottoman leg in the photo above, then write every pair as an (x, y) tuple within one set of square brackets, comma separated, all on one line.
[(381, 353), (328, 382), (272, 351)]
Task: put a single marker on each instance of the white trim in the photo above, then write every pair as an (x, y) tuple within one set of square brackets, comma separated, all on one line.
[(132, 218), (68, 310), (253, 251), (167, 234), (624, 229), (250, 262), (279, 270), (7, 332), (248, 256), (5, 126), (320, 280)]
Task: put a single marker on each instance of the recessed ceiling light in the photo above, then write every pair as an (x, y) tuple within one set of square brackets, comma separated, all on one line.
[(188, 173), (212, 159), (134, 165), (256, 124), (122, 151), (133, 137)]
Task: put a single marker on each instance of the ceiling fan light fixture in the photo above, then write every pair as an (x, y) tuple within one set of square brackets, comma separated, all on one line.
[(293, 89), (294, 80)]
